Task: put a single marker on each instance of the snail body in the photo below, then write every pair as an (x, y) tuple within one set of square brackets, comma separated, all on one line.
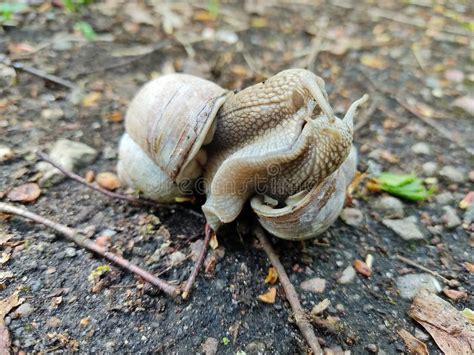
[(278, 140)]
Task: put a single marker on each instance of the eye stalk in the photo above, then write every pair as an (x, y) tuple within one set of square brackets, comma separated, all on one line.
[(349, 117)]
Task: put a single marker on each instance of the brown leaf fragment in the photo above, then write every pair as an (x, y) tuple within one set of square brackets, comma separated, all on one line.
[(413, 345), (272, 276), (25, 193), (449, 329), (469, 267), (362, 268), (4, 258), (269, 296), (108, 181), (454, 294), (6, 305)]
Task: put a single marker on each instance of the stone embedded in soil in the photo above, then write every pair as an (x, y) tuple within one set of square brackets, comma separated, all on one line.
[(429, 168), (421, 148), (352, 216), (444, 198), (452, 174), (6, 153), (450, 217), (209, 347), (348, 275), (70, 252), (177, 258), (7, 76), (410, 284), (390, 206), (52, 114), (316, 285), (405, 228), (69, 155), (53, 322), (24, 310)]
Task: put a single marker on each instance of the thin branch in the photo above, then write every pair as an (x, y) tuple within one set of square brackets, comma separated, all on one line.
[(81, 240), (300, 315), (40, 73), (424, 268), (128, 198), (199, 262)]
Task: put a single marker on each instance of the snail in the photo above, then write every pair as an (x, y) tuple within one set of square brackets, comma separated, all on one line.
[(277, 143), (167, 125)]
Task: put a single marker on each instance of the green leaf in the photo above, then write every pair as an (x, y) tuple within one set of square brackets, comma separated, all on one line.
[(86, 30), (225, 341), (406, 186)]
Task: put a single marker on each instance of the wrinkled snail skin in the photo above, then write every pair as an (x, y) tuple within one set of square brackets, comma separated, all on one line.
[(312, 213), (168, 123), (279, 139), (284, 122)]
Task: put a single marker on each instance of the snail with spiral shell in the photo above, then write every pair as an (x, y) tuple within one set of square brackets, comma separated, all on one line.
[(277, 144)]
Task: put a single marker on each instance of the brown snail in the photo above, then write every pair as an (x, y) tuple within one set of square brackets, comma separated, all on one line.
[(277, 143)]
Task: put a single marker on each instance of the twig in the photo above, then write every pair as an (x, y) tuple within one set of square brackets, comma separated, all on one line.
[(421, 267), (40, 73), (316, 44), (300, 316), (128, 198), (197, 266), (81, 240)]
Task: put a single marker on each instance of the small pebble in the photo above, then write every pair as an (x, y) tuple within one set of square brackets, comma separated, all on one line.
[(177, 258), (5, 153), (444, 198), (471, 176), (53, 322), (452, 174), (450, 217), (430, 168), (454, 75), (352, 216), (405, 228), (315, 285), (209, 347), (24, 310), (347, 276), (421, 148), (390, 206), (52, 114), (421, 335), (410, 284), (70, 252), (373, 348)]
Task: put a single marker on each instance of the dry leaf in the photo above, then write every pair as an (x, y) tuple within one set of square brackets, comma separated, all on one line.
[(373, 61), (454, 294), (85, 321), (356, 182), (320, 307), (6, 305), (25, 193), (4, 258), (362, 268), (4, 238), (214, 244), (115, 116), (467, 200), (469, 267), (414, 345), (269, 296), (272, 276), (108, 181), (449, 329), (91, 99), (468, 314)]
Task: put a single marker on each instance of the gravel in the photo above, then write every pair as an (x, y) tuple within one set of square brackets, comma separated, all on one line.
[(405, 228), (410, 284)]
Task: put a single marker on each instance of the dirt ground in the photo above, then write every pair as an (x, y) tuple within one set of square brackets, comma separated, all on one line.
[(412, 57)]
